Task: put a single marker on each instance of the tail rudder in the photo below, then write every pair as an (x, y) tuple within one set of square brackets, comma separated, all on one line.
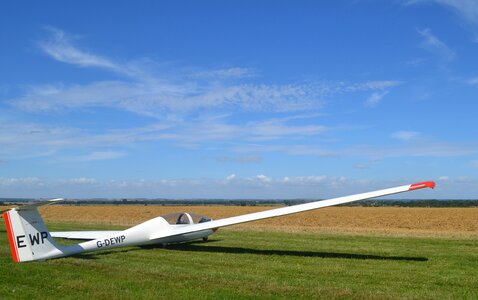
[(28, 235)]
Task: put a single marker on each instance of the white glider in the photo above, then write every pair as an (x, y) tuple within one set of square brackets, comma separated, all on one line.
[(30, 239)]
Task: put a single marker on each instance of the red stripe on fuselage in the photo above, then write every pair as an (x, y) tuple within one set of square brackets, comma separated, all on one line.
[(11, 236)]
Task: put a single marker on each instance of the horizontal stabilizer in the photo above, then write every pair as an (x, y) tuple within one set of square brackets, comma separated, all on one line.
[(29, 206)]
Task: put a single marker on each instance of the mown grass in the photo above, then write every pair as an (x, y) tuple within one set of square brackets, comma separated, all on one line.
[(251, 264)]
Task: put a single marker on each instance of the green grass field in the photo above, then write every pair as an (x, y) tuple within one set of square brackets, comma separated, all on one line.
[(251, 264)]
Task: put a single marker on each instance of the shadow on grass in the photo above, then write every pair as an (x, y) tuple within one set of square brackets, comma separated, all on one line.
[(202, 247), (192, 247), (96, 255)]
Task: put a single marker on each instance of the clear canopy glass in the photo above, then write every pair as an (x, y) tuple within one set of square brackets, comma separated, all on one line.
[(182, 218)]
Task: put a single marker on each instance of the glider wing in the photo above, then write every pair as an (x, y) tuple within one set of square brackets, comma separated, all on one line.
[(293, 209)]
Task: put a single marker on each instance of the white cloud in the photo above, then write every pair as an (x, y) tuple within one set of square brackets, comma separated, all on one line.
[(273, 129), (295, 149), (148, 93), (177, 103), (375, 98), (31, 139), (25, 181), (368, 164), (156, 98), (83, 180), (435, 45), (26, 140), (380, 85), (466, 9), (234, 72), (416, 62), (263, 178), (231, 177), (95, 156), (405, 135), (474, 163), (306, 179), (361, 166), (372, 152), (59, 46), (220, 129), (472, 81), (23, 140), (259, 187), (240, 159)]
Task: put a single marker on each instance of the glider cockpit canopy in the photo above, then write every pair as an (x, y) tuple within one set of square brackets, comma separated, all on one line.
[(184, 218)]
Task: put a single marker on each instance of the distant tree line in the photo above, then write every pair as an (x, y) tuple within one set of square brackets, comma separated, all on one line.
[(245, 202), (416, 203)]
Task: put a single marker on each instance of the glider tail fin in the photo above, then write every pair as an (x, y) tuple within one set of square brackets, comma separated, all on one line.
[(28, 235)]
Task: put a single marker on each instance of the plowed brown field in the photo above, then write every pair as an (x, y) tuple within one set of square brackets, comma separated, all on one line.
[(446, 222)]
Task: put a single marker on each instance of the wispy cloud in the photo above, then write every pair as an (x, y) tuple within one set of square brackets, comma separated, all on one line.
[(375, 98), (378, 85), (240, 159), (95, 156), (231, 187), (435, 45), (415, 62), (30, 139), (474, 163), (231, 177), (466, 9), (250, 140), (371, 152), (83, 180), (367, 164), (418, 149), (157, 98), (148, 93), (190, 109), (233, 72), (60, 47), (472, 81), (19, 139), (405, 135), (23, 140)]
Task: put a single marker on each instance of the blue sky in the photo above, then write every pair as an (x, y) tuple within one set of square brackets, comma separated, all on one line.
[(237, 99)]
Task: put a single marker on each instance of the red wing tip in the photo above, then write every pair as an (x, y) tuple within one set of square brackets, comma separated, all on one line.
[(421, 185)]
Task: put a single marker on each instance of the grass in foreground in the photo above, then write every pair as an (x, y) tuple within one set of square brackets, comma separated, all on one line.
[(249, 264)]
